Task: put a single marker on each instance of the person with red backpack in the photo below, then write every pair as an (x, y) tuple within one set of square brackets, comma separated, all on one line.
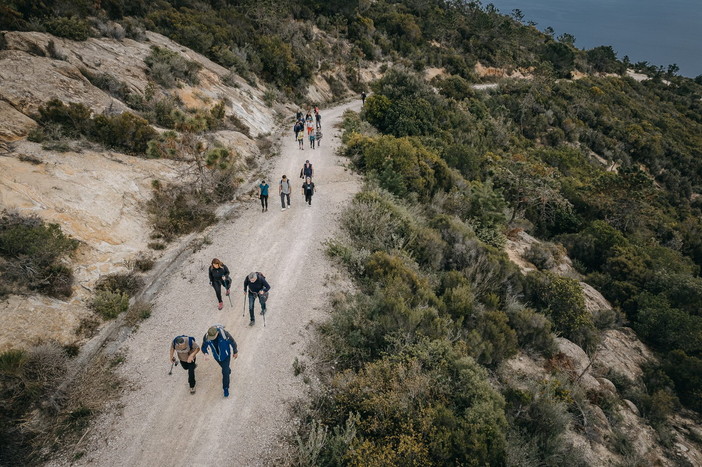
[(255, 285), (186, 348)]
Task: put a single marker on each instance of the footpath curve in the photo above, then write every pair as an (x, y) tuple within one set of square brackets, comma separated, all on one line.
[(160, 422)]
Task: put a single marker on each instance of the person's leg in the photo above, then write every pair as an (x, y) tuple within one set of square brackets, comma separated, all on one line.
[(262, 206), (191, 371), (282, 200), (262, 300), (226, 371), (227, 285), (218, 290), (265, 201), (287, 195), (252, 301)]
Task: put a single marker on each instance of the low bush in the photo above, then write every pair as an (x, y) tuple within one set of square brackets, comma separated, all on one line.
[(33, 255), (167, 67), (544, 255), (125, 283), (71, 28), (180, 209), (563, 301), (125, 131), (110, 304), (27, 380)]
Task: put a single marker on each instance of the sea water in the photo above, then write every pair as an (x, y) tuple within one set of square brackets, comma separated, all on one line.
[(661, 32)]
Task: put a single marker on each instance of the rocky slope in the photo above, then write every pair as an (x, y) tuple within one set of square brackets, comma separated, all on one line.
[(621, 353), (95, 195)]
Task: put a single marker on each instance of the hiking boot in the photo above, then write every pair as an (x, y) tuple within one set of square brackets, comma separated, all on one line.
[(252, 322), (227, 292), (282, 209), (220, 306), (192, 390), (226, 392)]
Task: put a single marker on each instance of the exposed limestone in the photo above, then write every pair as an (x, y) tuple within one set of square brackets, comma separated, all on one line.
[(622, 351)]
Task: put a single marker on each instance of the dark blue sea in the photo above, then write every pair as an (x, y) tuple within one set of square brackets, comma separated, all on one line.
[(661, 32)]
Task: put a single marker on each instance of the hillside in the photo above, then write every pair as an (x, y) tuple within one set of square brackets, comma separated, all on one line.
[(525, 252)]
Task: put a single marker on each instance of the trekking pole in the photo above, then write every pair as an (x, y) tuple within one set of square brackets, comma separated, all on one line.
[(243, 310), (170, 372), (230, 301)]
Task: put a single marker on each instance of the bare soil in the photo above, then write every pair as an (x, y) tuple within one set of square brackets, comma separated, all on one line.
[(158, 422)]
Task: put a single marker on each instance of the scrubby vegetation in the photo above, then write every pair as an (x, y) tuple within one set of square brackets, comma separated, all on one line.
[(420, 242), (33, 256), (124, 131)]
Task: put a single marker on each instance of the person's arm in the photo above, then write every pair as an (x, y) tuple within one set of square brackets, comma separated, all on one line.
[(211, 276), (246, 283), (314, 189), (266, 286), (205, 344), (170, 354), (193, 351), (280, 187), (232, 342)]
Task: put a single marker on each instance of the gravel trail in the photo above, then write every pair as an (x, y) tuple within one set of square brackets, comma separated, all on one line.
[(161, 423)]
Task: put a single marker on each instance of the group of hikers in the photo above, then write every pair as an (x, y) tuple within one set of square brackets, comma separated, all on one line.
[(311, 125), (285, 188), (217, 341)]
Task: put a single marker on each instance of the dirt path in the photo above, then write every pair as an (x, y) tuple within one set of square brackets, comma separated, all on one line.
[(161, 423)]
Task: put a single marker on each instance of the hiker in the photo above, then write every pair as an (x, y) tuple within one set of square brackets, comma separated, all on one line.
[(284, 191), (308, 190), (310, 127), (363, 98), (218, 341), (298, 115), (318, 136), (313, 137), (301, 140), (219, 276), (307, 170), (318, 118), (255, 285), (186, 348), (263, 195), (299, 126)]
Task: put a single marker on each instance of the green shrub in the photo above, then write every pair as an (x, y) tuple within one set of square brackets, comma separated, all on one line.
[(124, 283), (124, 131), (178, 210), (71, 28), (167, 67), (533, 330), (33, 254), (109, 304), (562, 300), (544, 255)]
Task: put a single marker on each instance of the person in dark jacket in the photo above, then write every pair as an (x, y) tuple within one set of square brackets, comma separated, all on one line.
[(223, 347), (255, 285), (186, 348), (308, 190), (306, 171), (219, 276)]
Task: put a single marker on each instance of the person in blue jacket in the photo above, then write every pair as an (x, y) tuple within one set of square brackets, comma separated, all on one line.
[(263, 194), (255, 285), (223, 347)]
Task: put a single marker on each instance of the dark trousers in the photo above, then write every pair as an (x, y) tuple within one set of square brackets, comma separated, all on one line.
[(217, 285), (308, 197), (264, 201), (226, 371), (252, 302), (283, 197), (191, 371)]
